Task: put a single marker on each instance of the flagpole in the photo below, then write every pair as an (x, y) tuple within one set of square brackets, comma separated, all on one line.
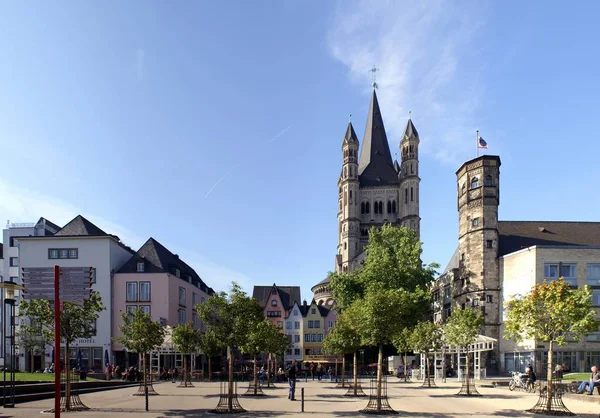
[(477, 142)]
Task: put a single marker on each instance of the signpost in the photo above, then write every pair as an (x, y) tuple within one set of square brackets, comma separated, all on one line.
[(66, 284)]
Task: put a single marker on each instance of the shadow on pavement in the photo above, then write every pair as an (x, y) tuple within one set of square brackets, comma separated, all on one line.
[(204, 412)]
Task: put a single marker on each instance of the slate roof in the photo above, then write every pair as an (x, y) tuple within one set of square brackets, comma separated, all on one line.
[(375, 166), (350, 135), (287, 294), (158, 259), (80, 226), (453, 263), (516, 235), (410, 131), (50, 228)]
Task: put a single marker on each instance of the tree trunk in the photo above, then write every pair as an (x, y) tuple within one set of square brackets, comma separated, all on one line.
[(230, 389), (427, 376), (355, 374), (185, 370), (145, 379), (468, 369), (343, 370), (379, 376), (255, 377), (405, 368), (209, 368), (549, 378), (32, 366), (67, 379), (269, 370)]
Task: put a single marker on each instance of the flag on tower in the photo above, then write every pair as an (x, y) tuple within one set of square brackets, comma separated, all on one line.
[(480, 142)]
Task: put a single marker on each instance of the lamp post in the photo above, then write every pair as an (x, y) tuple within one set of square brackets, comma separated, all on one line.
[(9, 301)]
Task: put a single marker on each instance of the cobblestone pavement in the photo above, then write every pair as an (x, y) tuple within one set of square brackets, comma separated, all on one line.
[(322, 399)]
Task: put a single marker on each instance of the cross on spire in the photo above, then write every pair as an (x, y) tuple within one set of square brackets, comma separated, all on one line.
[(374, 71)]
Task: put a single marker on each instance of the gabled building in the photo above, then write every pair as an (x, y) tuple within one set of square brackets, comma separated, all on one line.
[(163, 285), (277, 301), (317, 319), (294, 329)]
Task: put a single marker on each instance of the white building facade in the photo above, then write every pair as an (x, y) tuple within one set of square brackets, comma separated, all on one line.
[(294, 331)]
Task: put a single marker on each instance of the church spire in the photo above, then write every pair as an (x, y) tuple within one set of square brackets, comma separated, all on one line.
[(410, 131), (375, 163), (350, 135)]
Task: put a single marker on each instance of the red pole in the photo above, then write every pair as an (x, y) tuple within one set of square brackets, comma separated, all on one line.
[(56, 342)]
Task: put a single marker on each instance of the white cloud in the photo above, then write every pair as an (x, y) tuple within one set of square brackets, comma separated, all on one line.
[(140, 59), (18, 204), (425, 52)]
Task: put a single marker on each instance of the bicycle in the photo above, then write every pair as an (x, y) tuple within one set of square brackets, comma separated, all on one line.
[(517, 381)]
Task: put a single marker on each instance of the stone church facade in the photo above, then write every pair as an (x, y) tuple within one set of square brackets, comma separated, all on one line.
[(373, 190)]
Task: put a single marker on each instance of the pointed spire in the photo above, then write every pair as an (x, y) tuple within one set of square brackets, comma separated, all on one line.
[(350, 135), (375, 157), (396, 166), (410, 131)]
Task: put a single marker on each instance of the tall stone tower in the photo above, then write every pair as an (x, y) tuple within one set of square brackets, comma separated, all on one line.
[(409, 179), (348, 198), (478, 182)]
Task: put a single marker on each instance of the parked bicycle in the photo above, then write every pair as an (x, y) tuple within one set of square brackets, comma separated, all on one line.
[(521, 381)]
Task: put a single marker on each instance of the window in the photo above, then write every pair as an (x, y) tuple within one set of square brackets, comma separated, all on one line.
[(181, 296), (181, 317), (463, 189), (489, 243), (273, 314), (296, 351), (296, 338), (306, 338), (474, 183), (195, 320), (475, 222), (313, 338), (405, 195), (144, 291), (63, 253), (489, 298), (319, 337), (132, 291), (411, 195), (194, 300), (295, 313), (552, 271), (273, 303), (448, 311), (317, 324), (279, 324), (296, 325), (93, 278), (393, 206), (131, 309), (12, 242), (596, 297), (362, 208), (178, 272), (593, 274), (311, 324), (375, 208), (436, 296), (475, 302), (145, 309), (389, 207), (489, 181), (140, 266), (313, 311), (288, 325), (330, 324), (367, 207), (14, 261), (447, 292), (73, 253), (52, 253)]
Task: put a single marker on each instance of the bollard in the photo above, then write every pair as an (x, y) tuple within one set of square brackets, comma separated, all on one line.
[(302, 399)]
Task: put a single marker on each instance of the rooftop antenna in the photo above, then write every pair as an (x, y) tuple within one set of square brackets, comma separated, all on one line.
[(409, 115), (350, 118), (374, 71)]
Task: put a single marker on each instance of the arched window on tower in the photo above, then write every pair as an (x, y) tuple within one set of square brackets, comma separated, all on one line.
[(393, 206), (345, 172), (345, 245), (367, 207), (411, 169), (362, 208), (464, 188), (489, 181), (389, 207), (412, 197), (350, 171), (375, 207), (350, 196), (474, 183), (380, 206), (405, 195)]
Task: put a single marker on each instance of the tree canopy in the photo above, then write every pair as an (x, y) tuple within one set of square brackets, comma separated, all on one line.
[(76, 321), (257, 338), (186, 338), (343, 338), (426, 336), (140, 333), (551, 312), (463, 326)]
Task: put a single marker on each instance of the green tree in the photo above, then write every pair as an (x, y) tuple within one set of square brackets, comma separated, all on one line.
[(461, 330), (31, 339), (343, 339), (257, 341), (550, 312), (228, 318), (345, 288), (76, 321), (187, 340), (140, 335), (209, 345), (401, 342), (425, 337), (277, 344)]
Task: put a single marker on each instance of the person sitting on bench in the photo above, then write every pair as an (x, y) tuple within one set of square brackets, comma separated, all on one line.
[(592, 383)]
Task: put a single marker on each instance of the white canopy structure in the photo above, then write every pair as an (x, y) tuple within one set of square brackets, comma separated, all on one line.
[(482, 344)]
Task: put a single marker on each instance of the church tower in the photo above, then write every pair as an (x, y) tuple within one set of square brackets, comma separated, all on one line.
[(348, 197), (478, 193), (409, 179)]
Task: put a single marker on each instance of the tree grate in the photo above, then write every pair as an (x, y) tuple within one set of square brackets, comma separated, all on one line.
[(75, 403), (141, 392), (378, 405), (468, 390), (555, 406), (429, 382), (254, 390), (358, 392), (228, 404)]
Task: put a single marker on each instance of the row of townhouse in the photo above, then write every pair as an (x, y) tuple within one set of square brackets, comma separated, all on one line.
[(306, 325), (151, 278)]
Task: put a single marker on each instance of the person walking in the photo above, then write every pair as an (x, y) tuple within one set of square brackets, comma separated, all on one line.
[(292, 372)]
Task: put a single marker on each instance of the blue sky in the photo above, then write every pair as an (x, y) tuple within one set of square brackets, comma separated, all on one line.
[(130, 112)]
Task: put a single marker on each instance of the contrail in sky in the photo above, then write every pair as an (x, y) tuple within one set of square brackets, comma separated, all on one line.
[(221, 179), (237, 165)]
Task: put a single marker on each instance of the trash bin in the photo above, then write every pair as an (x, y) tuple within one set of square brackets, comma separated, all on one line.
[(82, 375)]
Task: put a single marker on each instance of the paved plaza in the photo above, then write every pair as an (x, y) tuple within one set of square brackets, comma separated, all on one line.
[(321, 400)]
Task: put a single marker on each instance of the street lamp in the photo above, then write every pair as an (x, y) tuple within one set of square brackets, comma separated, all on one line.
[(9, 300)]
